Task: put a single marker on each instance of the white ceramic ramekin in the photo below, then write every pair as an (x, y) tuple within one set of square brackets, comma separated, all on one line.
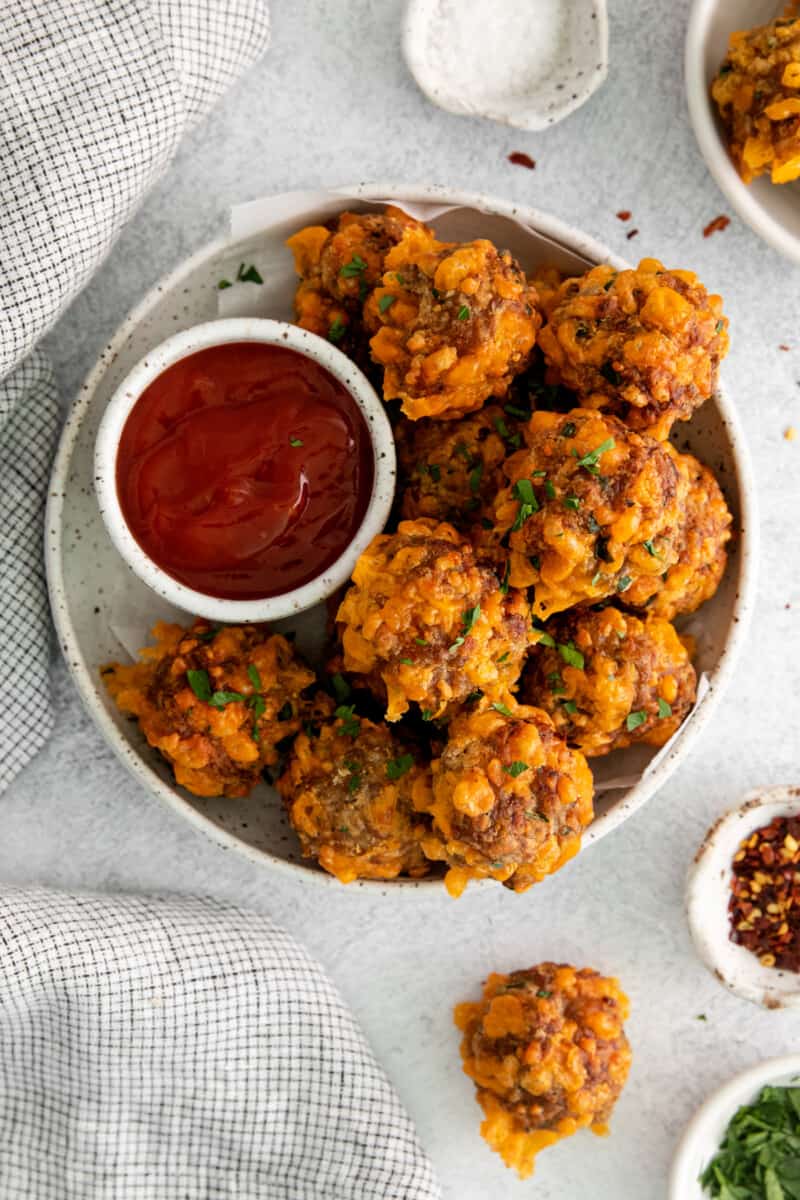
[(268, 333)]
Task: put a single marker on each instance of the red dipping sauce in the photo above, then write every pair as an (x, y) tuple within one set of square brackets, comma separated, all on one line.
[(244, 470)]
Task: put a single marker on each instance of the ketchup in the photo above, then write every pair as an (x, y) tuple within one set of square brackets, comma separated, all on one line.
[(244, 470)]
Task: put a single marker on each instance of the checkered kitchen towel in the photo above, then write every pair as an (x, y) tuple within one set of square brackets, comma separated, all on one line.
[(174, 1049), (94, 98)]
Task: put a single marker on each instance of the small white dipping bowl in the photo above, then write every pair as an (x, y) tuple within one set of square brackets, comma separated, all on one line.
[(772, 210), (705, 1131), (219, 333), (708, 892)]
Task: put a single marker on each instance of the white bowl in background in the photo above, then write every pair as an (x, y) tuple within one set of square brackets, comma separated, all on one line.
[(705, 1131), (708, 892), (772, 210)]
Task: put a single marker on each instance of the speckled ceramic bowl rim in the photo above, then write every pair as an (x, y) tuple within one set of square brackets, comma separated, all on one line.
[(703, 1134), (737, 969), (712, 147), (562, 235), (265, 332)]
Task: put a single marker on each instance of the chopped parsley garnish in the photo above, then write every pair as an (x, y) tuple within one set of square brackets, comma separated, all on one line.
[(515, 768), (569, 706), (503, 658), (513, 439), (556, 683), (538, 474), (596, 578), (435, 472), (341, 688), (571, 654), (255, 678), (664, 709), (504, 584), (250, 275), (569, 430), (468, 619), (650, 548), (590, 460), (259, 707), (610, 374), (543, 994), (386, 302), (426, 714), (420, 641), (759, 1156), (635, 719), (475, 478), (718, 328), (336, 331), (351, 726), (396, 768), (407, 662), (528, 504), (502, 708), (572, 502), (294, 441), (354, 782), (463, 313), (549, 489), (354, 268), (208, 635), (400, 278), (286, 712), (521, 413), (224, 283), (546, 640), (609, 283), (623, 583), (200, 684), (220, 699)]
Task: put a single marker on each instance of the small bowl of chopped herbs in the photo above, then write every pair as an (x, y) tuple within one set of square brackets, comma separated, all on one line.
[(743, 899), (743, 1143)]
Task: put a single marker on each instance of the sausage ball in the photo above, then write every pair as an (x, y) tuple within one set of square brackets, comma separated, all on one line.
[(338, 266), (215, 702), (608, 679), (588, 502), (424, 623), (454, 322), (757, 92), (643, 344), (510, 799), (547, 1051), (348, 794), (704, 529)]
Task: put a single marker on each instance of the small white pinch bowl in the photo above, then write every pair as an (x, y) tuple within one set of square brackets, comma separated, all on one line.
[(521, 63), (705, 1131), (771, 210), (267, 333), (708, 892)]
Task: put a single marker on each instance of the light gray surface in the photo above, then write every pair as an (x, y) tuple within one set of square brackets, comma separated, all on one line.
[(331, 103)]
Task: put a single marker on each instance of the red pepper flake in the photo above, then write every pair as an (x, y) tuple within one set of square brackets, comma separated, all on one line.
[(519, 159), (781, 347), (716, 226), (624, 214), (764, 908), (632, 234)]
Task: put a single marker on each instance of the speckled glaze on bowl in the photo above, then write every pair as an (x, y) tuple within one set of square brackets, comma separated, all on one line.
[(708, 892), (705, 1131), (772, 210), (85, 572), (234, 330)]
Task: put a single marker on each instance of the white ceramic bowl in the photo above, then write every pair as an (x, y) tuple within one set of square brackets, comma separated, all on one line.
[(706, 1129), (220, 333), (708, 892), (772, 210)]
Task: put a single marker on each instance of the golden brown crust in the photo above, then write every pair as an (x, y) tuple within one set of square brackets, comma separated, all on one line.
[(644, 344), (757, 92), (608, 679), (603, 497), (547, 1051), (453, 324), (255, 686), (348, 791), (424, 623), (510, 800)]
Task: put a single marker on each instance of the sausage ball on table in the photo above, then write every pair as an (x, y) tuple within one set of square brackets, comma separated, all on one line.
[(608, 679), (643, 344), (757, 92), (589, 502), (424, 623), (704, 529), (215, 702), (547, 1051), (348, 795), (338, 266), (454, 322), (510, 800)]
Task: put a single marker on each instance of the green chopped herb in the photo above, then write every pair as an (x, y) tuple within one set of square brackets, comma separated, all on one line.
[(386, 302), (515, 768), (546, 640), (351, 726), (354, 782), (208, 635), (623, 583), (486, 523), (286, 712), (718, 328), (295, 441), (475, 478), (336, 331), (435, 473), (250, 275), (224, 283), (221, 699), (463, 313), (341, 688), (569, 430), (664, 709), (543, 994), (255, 678), (572, 502), (426, 714), (400, 278), (521, 413), (596, 578), (355, 267), (468, 619), (590, 460), (651, 550), (513, 439), (702, 1017), (613, 376), (610, 282), (571, 655), (528, 504), (549, 489), (396, 768), (635, 719), (407, 662), (502, 708), (759, 1156), (538, 474), (556, 683), (200, 684), (258, 706), (420, 641), (503, 658), (504, 583), (569, 706)]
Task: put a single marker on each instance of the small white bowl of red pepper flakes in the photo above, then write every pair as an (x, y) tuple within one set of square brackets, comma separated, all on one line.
[(743, 898)]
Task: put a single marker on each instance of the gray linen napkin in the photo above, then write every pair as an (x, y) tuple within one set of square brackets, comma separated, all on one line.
[(156, 1048), (94, 97)]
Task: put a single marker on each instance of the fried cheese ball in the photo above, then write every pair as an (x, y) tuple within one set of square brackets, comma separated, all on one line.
[(348, 796), (338, 267), (510, 800), (454, 322), (547, 279), (423, 623), (757, 92), (643, 344), (215, 702), (547, 1051), (704, 529), (588, 502), (608, 679)]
